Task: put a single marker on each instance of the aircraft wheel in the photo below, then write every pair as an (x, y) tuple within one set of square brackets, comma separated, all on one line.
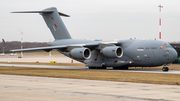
[(165, 69), (116, 68), (125, 68), (103, 67), (99, 67), (90, 67)]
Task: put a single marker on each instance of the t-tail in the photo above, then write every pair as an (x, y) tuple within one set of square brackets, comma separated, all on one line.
[(54, 22)]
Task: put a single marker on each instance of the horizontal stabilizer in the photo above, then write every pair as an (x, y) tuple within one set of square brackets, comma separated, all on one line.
[(62, 14), (43, 11), (46, 11)]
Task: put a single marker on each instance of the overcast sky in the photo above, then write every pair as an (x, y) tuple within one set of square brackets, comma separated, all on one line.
[(92, 19)]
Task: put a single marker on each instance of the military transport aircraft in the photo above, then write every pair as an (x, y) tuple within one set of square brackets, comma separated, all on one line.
[(96, 54)]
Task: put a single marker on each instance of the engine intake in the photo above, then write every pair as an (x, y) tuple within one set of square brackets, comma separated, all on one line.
[(112, 52), (81, 53)]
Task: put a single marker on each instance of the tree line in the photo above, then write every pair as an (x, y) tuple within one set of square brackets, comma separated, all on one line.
[(17, 45)]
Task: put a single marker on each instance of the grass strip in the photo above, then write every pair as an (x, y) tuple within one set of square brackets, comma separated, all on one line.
[(152, 78)]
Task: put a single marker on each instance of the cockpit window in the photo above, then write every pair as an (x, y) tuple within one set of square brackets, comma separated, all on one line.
[(165, 47), (169, 46), (161, 47)]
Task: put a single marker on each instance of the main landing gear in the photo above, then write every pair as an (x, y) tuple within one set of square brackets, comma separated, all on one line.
[(103, 67), (165, 69), (121, 68)]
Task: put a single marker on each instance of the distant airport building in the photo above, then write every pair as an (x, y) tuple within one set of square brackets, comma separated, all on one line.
[(177, 47)]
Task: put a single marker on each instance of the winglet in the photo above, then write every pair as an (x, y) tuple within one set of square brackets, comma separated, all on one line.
[(6, 45)]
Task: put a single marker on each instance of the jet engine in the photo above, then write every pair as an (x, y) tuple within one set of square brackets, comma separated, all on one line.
[(81, 53), (112, 51)]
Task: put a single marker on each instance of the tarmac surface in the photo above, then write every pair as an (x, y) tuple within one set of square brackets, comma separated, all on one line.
[(74, 67), (31, 88), (42, 59)]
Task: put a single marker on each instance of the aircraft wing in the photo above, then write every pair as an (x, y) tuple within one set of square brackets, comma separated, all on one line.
[(63, 47), (49, 48)]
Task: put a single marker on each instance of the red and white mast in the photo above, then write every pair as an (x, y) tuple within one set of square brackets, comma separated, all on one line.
[(21, 44), (160, 20)]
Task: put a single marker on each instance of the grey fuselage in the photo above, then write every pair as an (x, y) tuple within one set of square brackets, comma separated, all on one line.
[(143, 53)]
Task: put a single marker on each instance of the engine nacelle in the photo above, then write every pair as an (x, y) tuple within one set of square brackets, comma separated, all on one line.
[(81, 53), (112, 52)]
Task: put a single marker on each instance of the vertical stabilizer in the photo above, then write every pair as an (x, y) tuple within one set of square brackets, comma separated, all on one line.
[(55, 24)]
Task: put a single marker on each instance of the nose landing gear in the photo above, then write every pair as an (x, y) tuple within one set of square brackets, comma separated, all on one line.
[(165, 69)]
